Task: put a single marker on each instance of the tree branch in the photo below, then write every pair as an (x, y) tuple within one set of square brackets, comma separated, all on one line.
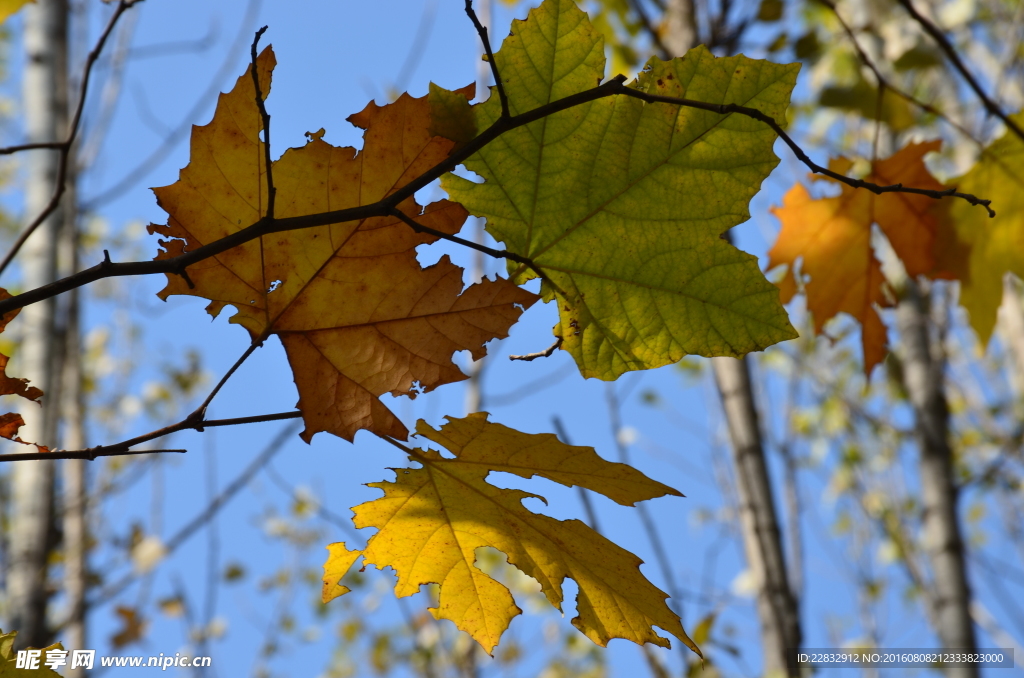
[(540, 354), (954, 58), (64, 147), (262, 106), (121, 449), (89, 454), (481, 30), (388, 205)]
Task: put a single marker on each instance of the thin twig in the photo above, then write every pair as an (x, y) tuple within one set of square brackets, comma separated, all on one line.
[(262, 106), (497, 254), (77, 454), (200, 412), (388, 205), (8, 150), (884, 83), (123, 448), (64, 147), (958, 63), (481, 30), (540, 354)]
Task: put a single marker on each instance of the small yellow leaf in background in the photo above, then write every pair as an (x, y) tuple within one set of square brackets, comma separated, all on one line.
[(832, 238), (432, 520), (172, 607), (339, 560)]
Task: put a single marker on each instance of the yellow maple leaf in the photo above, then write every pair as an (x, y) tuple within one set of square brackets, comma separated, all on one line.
[(431, 521), (980, 251), (832, 238), (339, 560), (357, 314)]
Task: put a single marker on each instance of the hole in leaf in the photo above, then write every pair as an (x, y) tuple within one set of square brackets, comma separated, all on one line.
[(273, 286)]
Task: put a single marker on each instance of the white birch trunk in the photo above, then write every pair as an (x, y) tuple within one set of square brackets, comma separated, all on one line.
[(45, 100)]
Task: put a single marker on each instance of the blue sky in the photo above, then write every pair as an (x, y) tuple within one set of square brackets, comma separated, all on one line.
[(332, 58)]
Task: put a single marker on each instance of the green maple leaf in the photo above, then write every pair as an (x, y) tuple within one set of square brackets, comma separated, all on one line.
[(622, 203)]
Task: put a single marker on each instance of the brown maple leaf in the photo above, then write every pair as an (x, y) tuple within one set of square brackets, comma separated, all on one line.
[(357, 314), (11, 422), (832, 237)]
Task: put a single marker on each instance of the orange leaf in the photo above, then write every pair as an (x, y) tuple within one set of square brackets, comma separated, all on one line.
[(832, 237), (357, 314)]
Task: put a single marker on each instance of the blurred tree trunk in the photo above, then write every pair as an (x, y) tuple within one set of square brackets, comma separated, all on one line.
[(74, 477), (923, 369), (680, 26), (32, 483), (777, 607)]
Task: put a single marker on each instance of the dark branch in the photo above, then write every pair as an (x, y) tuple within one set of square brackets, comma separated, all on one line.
[(121, 449), (481, 30), (77, 454), (540, 354), (64, 147), (8, 150), (954, 58), (388, 205), (262, 106), (199, 414)]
